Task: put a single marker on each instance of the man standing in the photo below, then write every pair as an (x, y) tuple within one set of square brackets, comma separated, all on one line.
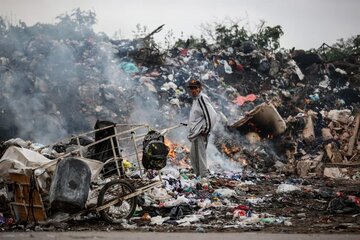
[(201, 121)]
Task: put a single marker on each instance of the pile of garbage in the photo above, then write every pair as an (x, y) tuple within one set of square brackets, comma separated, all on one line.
[(73, 77), (288, 112)]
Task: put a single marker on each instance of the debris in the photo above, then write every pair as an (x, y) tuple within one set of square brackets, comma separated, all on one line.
[(354, 135), (309, 134), (264, 116), (240, 100), (332, 173), (283, 188)]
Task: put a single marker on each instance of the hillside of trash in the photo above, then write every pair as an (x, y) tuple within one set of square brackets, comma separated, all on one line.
[(283, 158)]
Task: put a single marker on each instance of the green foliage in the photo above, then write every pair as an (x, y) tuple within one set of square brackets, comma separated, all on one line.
[(234, 35), (78, 24), (169, 40), (268, 37), (191, 42), (2, 25), (356, 43), (140, 32), (78, 18), (341, 49)]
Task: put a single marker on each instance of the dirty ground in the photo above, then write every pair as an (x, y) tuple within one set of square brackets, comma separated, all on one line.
[(307, 211), (317, 206)]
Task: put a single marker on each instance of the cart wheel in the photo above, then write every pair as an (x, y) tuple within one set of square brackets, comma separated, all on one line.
[(123, 209)]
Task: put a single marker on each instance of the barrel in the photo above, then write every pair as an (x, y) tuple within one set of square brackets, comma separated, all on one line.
[(70, 185)]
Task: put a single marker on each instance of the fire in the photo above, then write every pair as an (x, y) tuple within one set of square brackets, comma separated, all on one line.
[(270, 136), (233, 152), (178, 154), (229, 150), (172, 147), (264, 133)]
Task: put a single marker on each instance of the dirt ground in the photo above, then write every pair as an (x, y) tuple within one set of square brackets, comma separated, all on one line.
[(321, 206)]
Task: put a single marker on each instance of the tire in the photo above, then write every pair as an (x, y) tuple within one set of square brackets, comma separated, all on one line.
[(124, 209)]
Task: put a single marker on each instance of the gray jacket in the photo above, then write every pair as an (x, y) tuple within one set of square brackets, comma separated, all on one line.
[(202, 117)]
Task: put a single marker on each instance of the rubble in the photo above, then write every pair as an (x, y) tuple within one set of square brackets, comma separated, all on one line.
[(289, 125)]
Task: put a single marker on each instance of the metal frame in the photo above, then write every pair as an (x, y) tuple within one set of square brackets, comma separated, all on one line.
[(119, 136)]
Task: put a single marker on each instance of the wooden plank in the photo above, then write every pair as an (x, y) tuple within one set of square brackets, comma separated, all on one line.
[(27, 204), (352, 165), (353, 135), (24, 212)]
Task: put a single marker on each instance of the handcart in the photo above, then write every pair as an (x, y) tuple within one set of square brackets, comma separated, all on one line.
[(117, 198)]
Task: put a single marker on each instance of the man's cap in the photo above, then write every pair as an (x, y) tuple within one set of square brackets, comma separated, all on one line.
[(194, 83)]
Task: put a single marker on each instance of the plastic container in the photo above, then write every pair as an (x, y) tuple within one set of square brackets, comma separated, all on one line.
[(70, 186)]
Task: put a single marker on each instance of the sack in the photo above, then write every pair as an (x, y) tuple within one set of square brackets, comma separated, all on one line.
[(154, 151)]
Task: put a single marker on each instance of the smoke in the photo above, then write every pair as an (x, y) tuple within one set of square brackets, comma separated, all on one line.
[(218, 161), (57, 80), (145, 108)]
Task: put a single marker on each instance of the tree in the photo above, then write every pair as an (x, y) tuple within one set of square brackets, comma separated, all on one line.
[(341, 49), (234, 34), (356, 43), (268, 37), (78, 23)]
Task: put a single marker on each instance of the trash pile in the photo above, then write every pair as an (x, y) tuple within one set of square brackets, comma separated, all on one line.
[(289, 119)]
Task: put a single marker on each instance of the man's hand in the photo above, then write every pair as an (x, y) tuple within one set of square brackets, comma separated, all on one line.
[(203, 133)]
